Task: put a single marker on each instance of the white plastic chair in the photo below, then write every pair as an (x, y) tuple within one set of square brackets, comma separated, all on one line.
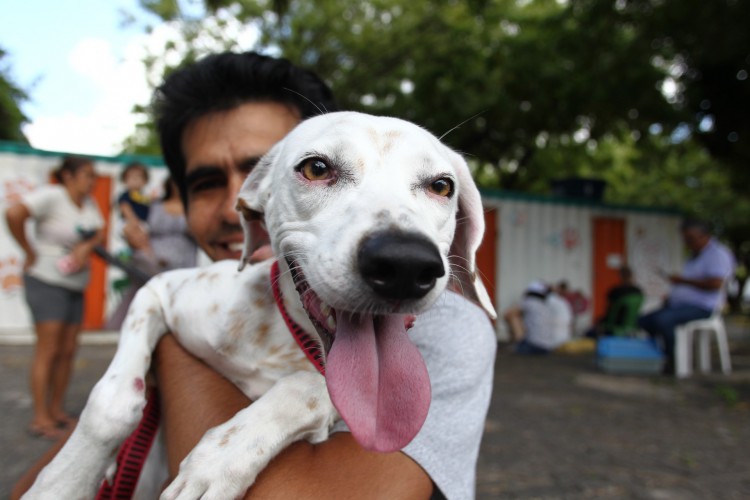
[(704, 328)]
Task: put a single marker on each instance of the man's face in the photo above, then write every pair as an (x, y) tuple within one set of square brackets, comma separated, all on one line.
[(695, 239), (220, 149)]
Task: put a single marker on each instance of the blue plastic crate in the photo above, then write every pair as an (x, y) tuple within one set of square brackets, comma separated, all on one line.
[(629, 355)]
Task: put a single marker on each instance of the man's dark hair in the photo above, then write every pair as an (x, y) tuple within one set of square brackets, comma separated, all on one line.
[(626, 274), (221, 82), (701, 225)]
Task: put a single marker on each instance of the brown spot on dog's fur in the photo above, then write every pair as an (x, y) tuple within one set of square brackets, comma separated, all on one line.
[(260, 289), (359, 165), (274, 349), (237, 328), (291, 355), (261, 333), (227, 435), (373, 135), (389, 139), (312, 403), (228, 348)]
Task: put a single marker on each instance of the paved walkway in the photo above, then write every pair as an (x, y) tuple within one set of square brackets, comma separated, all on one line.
[(557, 429)]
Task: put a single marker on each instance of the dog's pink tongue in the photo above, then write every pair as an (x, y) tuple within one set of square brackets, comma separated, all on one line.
[(378, 381)]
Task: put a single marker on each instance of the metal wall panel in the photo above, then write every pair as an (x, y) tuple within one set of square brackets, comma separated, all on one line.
[(552, 241)]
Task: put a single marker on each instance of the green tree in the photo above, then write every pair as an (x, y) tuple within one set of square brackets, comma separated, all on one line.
[(650, 95), (531, 71), (11, 98)]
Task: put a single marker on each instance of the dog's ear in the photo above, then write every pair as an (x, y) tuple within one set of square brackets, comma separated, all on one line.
[(468, 236), (252, 199)]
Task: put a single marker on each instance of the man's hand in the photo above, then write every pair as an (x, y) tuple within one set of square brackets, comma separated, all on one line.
[(702, 284)]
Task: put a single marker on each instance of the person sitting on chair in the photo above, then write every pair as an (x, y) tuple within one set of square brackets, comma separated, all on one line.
[(695, 293), (541, 322), (624, 302)]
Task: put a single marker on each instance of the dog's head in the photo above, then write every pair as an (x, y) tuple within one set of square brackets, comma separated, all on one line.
[(373, 210), (373, 217)]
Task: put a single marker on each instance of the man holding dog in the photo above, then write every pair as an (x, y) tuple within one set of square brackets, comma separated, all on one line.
[(216, 119)]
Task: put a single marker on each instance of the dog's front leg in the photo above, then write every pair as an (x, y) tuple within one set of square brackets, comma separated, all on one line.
[(112, 411), (229, 457)]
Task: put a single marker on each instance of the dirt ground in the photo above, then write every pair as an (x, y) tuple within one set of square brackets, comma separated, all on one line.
[(558, 428)]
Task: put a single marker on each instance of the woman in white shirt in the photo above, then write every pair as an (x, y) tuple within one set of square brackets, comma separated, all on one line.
[(68, 225)]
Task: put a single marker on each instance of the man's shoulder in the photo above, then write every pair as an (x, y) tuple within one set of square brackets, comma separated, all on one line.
[(717, 251), (454, 323)]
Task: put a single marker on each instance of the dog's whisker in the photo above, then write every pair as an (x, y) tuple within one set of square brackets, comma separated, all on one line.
[(321, 111), (462, 123)]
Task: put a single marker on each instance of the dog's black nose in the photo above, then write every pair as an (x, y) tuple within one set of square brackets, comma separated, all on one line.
[(399, 266)]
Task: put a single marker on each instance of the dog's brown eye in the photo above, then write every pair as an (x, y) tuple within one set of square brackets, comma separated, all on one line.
[(316, 170), (442, 187)]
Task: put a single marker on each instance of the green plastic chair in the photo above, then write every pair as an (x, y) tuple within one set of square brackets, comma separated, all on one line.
[(622, 316)]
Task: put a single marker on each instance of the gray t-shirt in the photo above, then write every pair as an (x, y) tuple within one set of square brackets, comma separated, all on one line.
[(172, 245), (458, 344)]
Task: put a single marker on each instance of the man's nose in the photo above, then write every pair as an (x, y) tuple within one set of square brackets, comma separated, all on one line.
[(229, 210)]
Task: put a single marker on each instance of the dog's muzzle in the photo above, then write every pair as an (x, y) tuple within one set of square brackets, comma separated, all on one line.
[(399, 266)]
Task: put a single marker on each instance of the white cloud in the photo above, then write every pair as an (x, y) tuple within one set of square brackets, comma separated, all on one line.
[(119, 82)]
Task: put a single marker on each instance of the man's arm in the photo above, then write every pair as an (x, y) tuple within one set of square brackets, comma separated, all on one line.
[(703, 284), (195, 398)]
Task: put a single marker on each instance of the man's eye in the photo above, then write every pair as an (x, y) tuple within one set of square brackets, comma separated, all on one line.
[(206, 184), (316, 169), (442, 187)]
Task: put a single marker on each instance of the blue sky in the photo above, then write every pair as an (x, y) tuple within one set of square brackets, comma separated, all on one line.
[(40, 35), (76, 61), (82, 67)]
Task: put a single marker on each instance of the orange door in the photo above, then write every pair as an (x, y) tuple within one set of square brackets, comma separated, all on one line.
[(609, 255), (95, 294), (487, 253)]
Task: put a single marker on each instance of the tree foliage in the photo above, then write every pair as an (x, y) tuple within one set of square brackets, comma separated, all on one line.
[(11, 97), (651, 95)]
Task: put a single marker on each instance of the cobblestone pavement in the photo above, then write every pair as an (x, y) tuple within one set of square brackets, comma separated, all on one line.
[(557, 429)]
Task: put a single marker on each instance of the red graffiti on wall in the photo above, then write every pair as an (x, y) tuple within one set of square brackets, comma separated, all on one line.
[(14, 189)]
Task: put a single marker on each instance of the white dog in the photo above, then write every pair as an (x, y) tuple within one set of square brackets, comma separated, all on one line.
[(370, 219)]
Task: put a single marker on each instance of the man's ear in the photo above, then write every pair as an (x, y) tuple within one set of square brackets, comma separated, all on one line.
[(253, 196), (468, 236)]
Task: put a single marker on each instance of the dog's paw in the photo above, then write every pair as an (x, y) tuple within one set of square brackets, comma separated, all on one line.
[(223, 465)]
